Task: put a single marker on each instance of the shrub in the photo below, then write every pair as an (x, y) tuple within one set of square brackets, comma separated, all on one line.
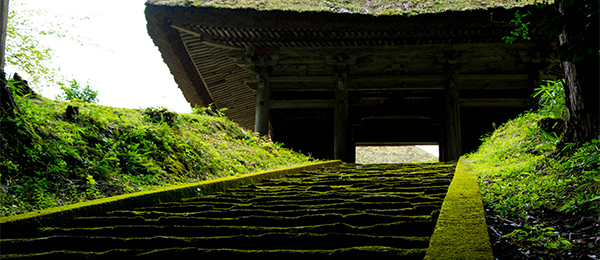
[(76, 92)]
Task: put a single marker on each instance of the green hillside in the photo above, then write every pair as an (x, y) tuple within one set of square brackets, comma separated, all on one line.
[(542, 196), (51, 159)]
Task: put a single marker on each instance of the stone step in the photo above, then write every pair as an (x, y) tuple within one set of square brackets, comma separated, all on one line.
[(265, 241), (377, 252), (407, 228), (384, 212)]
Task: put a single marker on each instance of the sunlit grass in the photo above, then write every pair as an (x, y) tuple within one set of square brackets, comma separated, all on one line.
[(523, 170), (50, 160)]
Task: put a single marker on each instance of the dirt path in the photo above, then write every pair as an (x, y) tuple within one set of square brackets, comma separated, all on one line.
[(392, 154)]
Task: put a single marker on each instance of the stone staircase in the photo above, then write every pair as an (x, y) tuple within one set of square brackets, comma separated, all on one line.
[(379, 211)]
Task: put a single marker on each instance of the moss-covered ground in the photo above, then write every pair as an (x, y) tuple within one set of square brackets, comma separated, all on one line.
[(52, 159), (461, 230), (541, 195)]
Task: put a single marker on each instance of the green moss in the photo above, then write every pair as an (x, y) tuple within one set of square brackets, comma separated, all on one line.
[(80, 254), (382, 7), (461, 231), (51, 160), (64, 214), (341, 222), (308, 253)]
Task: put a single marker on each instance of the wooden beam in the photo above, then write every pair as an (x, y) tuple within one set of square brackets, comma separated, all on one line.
[(491, 77), (364, 87), (399, 78), (209, 41), (261, 122), (495, 102), (298, 79), (394, 82), (302, 103), (464, 102)]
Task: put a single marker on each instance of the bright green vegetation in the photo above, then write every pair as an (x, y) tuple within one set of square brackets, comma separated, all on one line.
[(50, 159), (523, 168), (461, 231), (76, 91), (381, 7)]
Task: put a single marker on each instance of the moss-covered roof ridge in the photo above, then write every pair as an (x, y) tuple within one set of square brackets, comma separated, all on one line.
[(376, 7)]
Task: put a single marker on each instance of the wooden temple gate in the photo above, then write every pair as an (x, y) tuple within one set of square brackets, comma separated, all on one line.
[(324, 83)]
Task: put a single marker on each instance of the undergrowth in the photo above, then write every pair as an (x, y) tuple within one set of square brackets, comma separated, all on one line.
[(524, 167), (50, 159)]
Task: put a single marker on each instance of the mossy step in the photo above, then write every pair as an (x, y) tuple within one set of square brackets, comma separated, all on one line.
[(288, 197), (354, 182), (377, 252), (352, 204), (137, 217), (27, 222), (303, 215), (361, 219), (234, 213), (406, 207), (266, 241), (408, 228)]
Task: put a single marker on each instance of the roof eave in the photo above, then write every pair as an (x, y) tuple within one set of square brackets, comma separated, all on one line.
[(175, 55)]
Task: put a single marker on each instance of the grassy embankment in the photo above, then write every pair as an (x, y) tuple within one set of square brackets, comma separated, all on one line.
[(542, 195), (49, 159)]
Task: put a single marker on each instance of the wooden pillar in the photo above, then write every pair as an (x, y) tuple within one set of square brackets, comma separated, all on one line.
[(3, 26), (351, 156), (261, 122), (451, 133), (341, 140)]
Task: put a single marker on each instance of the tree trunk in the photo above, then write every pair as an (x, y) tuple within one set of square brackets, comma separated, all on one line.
[(3, 24), (582, 96), (582, 123)]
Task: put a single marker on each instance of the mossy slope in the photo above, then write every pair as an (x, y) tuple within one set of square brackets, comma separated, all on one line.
[(547, 189), (52, 159)]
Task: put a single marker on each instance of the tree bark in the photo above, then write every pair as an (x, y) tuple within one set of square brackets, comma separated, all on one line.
[(582, 95), (3, 25)]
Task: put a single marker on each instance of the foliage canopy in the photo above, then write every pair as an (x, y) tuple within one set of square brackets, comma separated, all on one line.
[(25, 52)]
